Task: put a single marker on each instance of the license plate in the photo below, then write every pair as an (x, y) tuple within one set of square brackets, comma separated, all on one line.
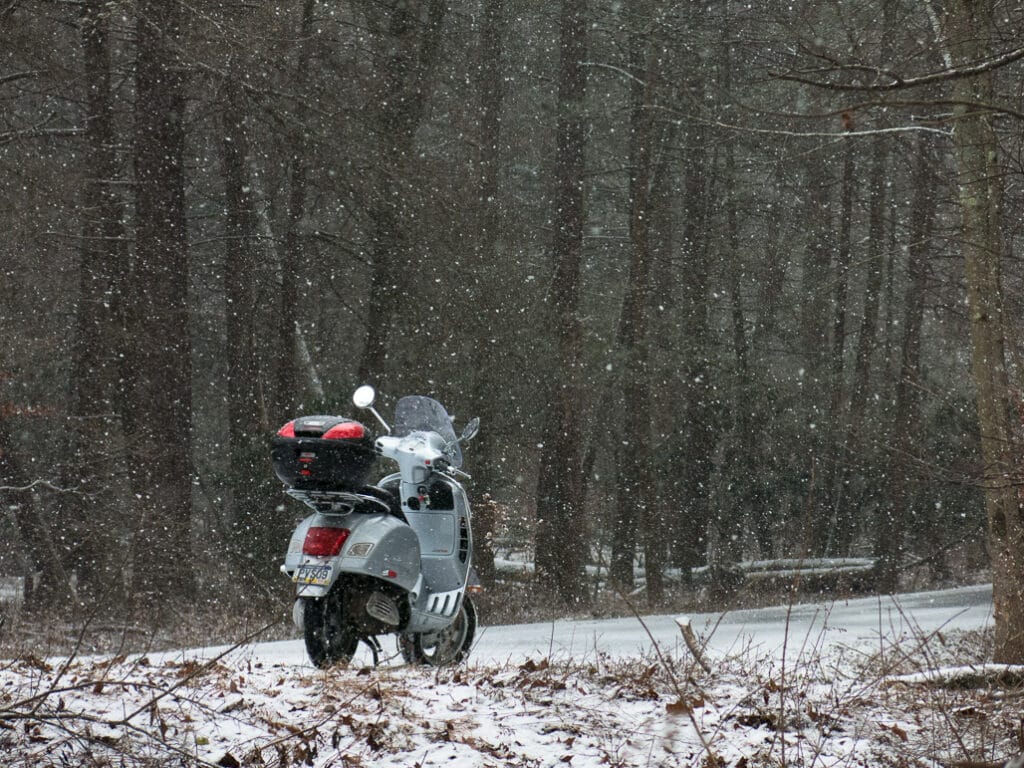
[(318, 575)]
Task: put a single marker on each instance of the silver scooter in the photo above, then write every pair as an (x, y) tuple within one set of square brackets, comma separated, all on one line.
[(392, 558)]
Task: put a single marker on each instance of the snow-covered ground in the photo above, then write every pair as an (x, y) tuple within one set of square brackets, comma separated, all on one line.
[(805, 685)]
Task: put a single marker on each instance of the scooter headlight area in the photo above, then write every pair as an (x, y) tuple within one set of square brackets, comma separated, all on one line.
[(393, 557)]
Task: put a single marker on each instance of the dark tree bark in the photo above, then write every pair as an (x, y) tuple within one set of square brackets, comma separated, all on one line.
[(857, 427), (638, 506), (635, 502), (49, 576), (691, 462), (410, 48), (96, 396), (287, 375), (840, 291), (160, 358), (246, 514), (814, 322), (837, 471), (485, 290), (849, 409), (770, 290), (902, 477), (737, 516), (734, 515), (980, 180), (239, 262), (561, 533)]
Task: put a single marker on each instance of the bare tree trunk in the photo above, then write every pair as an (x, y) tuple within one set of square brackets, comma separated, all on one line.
[(239, 263), (814, 337), (742, 517), (692, 462), (840, 290), (854, 426), (36, 536), (247, 514), (978, 173), (160, 465), (486, 289), (770, 290), (96, 395), (286, 371), (901, 477), (634, 501), (410, 50), (561, 530), (838, 433), (648, 201), (735, 516)]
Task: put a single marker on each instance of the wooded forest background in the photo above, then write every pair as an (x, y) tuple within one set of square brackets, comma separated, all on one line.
[(722, 280)]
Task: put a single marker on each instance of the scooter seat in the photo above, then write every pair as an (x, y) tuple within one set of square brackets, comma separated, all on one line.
[(394, 506)]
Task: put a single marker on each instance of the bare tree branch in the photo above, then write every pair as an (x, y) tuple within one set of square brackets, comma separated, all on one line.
[(15, 76), (39, 133), (40, 483), (805, 134), (899, 83)]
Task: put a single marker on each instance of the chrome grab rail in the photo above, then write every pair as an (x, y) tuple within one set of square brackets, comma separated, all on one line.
[(348, 499)]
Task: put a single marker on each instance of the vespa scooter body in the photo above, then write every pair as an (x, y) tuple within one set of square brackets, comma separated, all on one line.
[(427, 555), (390, 558)]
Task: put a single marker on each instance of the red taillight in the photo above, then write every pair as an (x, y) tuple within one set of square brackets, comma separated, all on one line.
[(324, 542), (288, 430), (347, 429)]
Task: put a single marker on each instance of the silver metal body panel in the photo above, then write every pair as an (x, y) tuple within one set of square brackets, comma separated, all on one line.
[(446, 545), (430, 556), (393, 548)]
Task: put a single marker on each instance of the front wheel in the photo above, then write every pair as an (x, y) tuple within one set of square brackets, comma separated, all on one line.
[(445, 646), (330, 637)]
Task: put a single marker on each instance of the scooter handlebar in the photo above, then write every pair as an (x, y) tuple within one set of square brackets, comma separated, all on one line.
[(417, 454)]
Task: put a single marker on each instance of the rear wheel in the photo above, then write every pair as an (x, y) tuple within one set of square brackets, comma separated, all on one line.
[(330, 637), (445, 646)]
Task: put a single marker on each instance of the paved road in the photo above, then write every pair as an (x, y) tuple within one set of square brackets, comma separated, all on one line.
[(860, 621), (850, 622)]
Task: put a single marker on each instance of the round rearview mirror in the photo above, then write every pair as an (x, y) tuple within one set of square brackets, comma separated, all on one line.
[(364, 396), (471, 429)]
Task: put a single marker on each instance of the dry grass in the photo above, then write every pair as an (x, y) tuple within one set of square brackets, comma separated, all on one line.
[(843, 708)]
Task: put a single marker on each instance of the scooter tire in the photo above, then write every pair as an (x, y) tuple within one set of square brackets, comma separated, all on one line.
[(445, 647), (330, 639)]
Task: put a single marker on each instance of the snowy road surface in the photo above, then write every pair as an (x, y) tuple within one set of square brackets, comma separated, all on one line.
[(767, 630), (848, 622)]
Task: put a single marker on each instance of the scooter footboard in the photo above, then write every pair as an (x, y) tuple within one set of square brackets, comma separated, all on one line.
[(435, 611)]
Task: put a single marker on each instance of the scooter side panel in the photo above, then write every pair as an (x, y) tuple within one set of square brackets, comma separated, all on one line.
[(377, 546), (444, 574), (395, 550), (293, 557)]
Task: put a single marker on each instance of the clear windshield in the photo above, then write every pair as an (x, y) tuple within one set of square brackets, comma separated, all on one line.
[(417, 413)]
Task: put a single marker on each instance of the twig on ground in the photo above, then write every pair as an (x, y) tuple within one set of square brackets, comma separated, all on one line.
[(683, 622), (192, 675)]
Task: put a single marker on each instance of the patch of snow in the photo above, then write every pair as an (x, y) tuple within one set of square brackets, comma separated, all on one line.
[(802, 685)]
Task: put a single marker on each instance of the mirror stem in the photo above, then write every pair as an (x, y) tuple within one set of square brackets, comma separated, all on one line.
[(373, 410)]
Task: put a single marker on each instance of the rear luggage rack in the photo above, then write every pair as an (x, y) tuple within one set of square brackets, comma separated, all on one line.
[(337, 501)]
